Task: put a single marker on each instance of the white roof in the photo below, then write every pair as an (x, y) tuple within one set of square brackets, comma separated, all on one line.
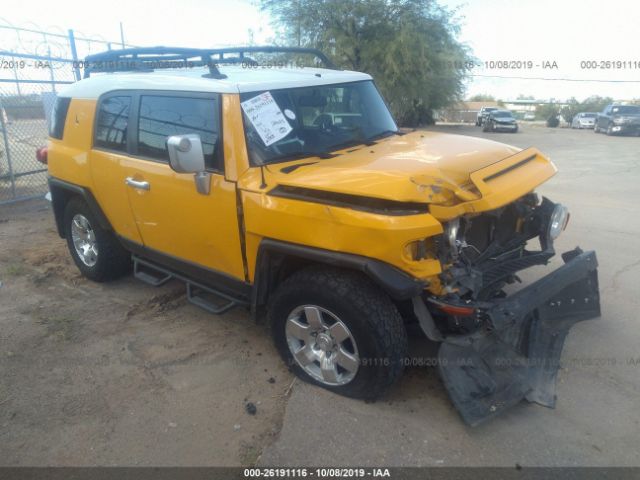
[(238, 80)]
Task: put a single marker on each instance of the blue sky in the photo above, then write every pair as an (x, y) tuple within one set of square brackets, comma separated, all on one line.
[(561, 31)]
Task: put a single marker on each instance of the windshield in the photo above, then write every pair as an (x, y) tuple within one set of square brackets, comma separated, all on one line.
[(297, 122), (502, 114), (625, 109), (588, 115)]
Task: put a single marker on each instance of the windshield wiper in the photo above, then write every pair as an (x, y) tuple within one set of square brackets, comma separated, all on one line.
[(296, 155), (384, 134)]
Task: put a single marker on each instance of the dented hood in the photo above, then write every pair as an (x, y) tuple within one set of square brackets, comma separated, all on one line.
[(417, 167)]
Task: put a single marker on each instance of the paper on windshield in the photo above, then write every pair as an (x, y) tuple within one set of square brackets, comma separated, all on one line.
[(267, 118)]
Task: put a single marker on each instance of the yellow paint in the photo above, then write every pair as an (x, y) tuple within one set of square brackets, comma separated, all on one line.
[(454, 175), (173, 218)]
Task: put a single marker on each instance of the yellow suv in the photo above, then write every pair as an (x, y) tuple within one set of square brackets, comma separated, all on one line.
[(292, 192)]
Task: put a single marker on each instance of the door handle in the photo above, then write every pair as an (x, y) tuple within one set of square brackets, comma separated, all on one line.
[(139, 184)]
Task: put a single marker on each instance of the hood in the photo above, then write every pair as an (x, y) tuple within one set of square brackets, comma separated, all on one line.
[(504, 119), (424, 167)]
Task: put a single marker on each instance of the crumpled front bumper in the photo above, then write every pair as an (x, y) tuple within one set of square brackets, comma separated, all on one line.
[(517, 356)]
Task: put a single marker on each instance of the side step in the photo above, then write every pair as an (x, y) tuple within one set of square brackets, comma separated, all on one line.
[(200, 295)]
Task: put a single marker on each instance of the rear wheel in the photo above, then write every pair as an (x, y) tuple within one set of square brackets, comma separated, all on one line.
[(95, 251), (336, 329)]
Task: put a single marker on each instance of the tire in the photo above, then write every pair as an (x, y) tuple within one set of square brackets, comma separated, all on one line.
[(377, 343), (609, 130), (105, 259), (515, 130)]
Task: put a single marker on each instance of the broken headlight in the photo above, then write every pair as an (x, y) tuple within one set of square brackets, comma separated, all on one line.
[(451, 236), (557, 221)]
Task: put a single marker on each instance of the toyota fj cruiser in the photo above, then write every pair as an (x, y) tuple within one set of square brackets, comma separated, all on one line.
[(291, 191)]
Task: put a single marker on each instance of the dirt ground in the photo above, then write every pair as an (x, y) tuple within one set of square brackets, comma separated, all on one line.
[(127, 374), (122, 373)]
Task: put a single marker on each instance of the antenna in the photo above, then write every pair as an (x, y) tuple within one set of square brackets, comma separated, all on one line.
[(263, 184)]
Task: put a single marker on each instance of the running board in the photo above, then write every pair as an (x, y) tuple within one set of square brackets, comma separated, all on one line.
[(197, 294)]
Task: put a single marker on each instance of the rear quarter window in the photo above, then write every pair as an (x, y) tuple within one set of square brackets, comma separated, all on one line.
[(59, 117), (112, 123)]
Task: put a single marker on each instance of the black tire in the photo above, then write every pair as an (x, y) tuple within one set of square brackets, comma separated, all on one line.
[(486, 127), (112, 260), (372, 319), (515, 130)]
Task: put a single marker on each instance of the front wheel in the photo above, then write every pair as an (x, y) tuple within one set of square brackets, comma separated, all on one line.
[(609, 130), (95, 251), (338, 330)]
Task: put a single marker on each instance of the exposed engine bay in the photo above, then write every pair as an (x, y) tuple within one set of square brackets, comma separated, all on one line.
[(497, 349), (485, 251)]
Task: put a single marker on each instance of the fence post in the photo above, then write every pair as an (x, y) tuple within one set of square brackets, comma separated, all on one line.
[(51, 74), (15, 75), (5, 138), (74, 55)]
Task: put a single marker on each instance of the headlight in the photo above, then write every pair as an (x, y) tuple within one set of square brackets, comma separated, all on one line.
[(451, 236), (557, 221)]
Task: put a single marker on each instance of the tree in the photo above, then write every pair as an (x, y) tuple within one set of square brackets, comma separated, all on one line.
[(595, 103), (547, 110), (591, 104), (570, 110), (408, 46), (482, 97)]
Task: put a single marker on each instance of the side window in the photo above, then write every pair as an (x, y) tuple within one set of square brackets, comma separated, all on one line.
[(111, 125), (58, 117), (163, 116)]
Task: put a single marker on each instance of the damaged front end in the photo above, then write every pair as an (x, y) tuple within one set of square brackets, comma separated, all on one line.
[(499, 349)]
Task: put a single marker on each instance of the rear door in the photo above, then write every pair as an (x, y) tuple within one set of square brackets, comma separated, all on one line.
[(173, 219), (108, 160)]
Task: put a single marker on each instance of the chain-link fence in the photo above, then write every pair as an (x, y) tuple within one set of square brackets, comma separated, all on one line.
[(34, 65)]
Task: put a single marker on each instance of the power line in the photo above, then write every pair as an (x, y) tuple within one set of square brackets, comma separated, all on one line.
[(556, 79)]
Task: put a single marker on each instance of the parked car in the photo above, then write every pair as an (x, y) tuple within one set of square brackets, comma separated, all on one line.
[(616, 119), (529, 116), (244, 185), (482, 114), (500, 120), (584, 120)]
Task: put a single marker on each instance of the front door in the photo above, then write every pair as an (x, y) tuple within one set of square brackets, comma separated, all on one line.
[(172, 217)]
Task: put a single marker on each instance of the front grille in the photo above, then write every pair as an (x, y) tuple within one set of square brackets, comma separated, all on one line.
[(494, 272), (490, 229)]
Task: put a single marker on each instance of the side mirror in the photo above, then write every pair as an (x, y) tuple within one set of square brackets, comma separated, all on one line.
[(185, 153), (186, 156)]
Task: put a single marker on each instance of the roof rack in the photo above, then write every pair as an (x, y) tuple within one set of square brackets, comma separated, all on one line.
[(151, 58)]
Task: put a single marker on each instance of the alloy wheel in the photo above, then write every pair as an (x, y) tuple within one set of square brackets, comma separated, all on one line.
[(84, 240), (322, 345)]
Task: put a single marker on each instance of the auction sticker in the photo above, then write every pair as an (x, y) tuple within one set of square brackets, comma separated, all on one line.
[(266, 117)]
